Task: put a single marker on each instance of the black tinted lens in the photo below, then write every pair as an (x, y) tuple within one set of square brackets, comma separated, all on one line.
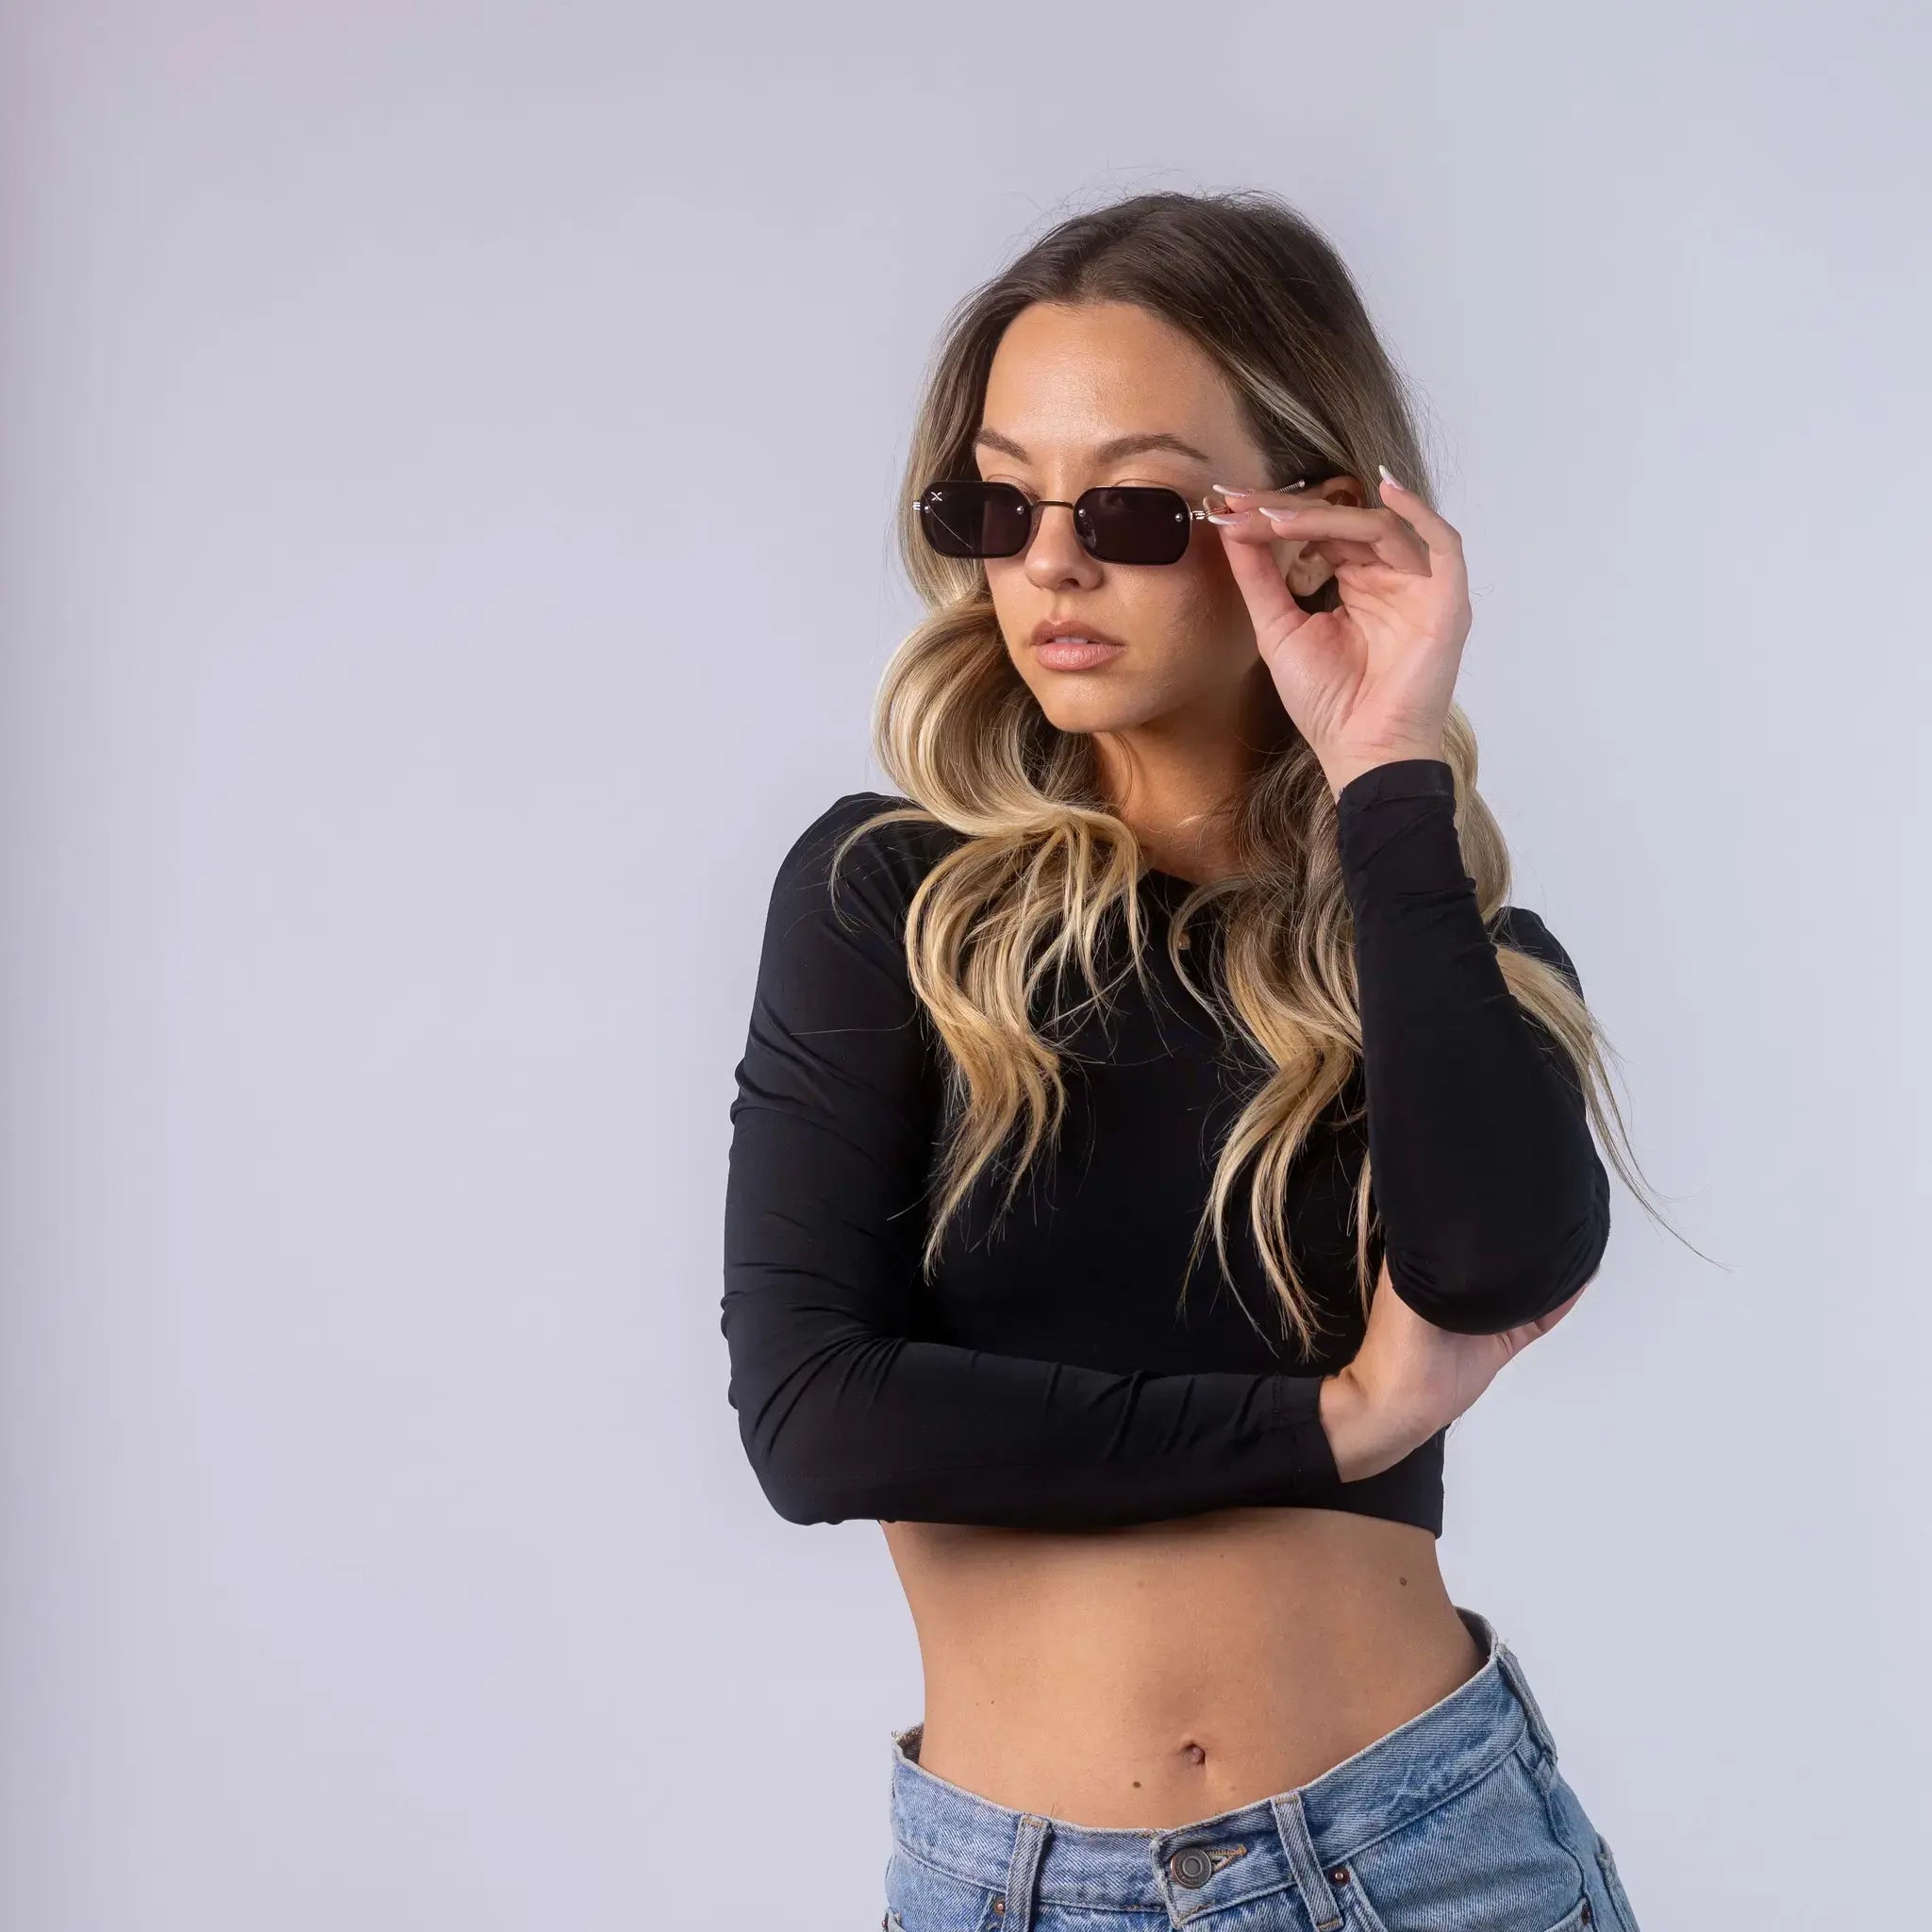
[(967, 518), (1134, 524)]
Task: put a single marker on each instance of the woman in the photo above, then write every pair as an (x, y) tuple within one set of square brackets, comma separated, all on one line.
[(1149, 1138)]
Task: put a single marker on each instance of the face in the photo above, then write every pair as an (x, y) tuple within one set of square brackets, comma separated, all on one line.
[(1065, 382)]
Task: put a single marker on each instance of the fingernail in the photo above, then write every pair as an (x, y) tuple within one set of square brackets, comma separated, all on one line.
[(1388, 476), (1213, 518), (1226, 491), (1279, 516)]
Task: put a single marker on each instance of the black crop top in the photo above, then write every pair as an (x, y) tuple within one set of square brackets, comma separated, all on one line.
[(1050, 1377)]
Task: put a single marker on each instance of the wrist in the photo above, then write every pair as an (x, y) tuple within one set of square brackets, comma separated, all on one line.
[(1342, 768), (1361, 1438)]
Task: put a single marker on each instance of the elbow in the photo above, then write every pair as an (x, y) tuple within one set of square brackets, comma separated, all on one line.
[(806, 1495), (829, 1495), (790, 1482), (804, 1485), (795, 1502), (1487, 1286), (809, 1426)]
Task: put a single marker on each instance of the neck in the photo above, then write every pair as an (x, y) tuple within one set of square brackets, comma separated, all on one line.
[(1176, 783)]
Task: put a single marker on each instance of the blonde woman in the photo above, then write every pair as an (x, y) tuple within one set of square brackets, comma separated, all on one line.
[(1155, 1127)]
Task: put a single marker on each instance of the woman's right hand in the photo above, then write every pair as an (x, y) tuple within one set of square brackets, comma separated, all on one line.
[(1410, 1378)]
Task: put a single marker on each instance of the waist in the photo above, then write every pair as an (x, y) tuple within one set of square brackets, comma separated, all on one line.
[(1146, 1676), (1305, 1836)]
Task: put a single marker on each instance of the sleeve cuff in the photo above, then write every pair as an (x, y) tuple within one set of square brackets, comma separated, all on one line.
[(1295, 1413), (1396, 829), (1397, 778)]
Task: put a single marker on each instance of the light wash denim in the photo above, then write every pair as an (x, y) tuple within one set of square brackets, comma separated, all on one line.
[(1458, 1820)]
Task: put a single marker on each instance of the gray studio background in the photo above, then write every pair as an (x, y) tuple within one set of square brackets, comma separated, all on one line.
[(408, 695)]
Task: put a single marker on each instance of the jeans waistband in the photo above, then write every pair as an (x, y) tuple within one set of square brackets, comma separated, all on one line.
[(1295, 1837)]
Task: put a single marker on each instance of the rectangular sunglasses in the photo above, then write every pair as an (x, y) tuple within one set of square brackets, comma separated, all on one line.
[(1123, 523)]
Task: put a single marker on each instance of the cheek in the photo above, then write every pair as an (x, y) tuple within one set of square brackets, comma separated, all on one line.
[(1220, 596), (1202, 602), (1202, 627)]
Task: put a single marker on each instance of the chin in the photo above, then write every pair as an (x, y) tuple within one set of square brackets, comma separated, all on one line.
[(1093, 708)]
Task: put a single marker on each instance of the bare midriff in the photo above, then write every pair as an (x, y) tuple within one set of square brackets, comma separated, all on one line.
[(1152, 1676)]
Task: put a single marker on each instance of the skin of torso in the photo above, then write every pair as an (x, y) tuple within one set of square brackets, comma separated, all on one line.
[(1147, 1676), (1150, 1675)]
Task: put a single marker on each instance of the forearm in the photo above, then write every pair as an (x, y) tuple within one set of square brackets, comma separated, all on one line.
[(872, 1426), (1493, 1201)]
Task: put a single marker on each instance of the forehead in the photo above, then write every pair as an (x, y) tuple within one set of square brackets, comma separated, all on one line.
[(1067, 380)]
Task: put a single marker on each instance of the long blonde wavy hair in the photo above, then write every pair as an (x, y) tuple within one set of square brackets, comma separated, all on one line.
[(1043, 860)]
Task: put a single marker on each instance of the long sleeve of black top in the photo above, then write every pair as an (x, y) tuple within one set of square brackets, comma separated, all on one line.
[(1494, 1202), (840, 1412)]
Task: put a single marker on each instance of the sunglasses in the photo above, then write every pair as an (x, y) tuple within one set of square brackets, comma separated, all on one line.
[(1123, 522)]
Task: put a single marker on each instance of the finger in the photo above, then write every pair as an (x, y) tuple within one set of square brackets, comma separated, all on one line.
[(1245, 525), (1543, 1324), (1379, 534), (1257, 573), (1442, 538), (1341, 550), (1254, 525), (1519, 1338)]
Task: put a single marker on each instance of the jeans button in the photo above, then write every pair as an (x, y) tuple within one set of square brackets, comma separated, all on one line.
[(1192, 1867)]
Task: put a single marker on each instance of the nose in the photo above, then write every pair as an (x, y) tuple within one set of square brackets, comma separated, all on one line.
[(1055, 554)]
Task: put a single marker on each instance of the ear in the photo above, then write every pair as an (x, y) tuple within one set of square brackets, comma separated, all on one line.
[(1308, 573), (1310, 570)]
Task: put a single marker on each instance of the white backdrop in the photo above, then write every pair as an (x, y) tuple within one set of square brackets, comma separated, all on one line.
[(406, 700)]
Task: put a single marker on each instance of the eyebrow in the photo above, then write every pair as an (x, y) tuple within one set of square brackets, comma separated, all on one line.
[(1109, 451)]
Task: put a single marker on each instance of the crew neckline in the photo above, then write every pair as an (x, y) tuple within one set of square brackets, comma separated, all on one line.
[(1171, 881)]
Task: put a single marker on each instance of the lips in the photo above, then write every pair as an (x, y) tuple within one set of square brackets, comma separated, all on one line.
[(1073, 652), (1054, 630)]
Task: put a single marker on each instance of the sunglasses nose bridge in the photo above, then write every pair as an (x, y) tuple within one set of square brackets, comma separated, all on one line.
[(1035, 506)]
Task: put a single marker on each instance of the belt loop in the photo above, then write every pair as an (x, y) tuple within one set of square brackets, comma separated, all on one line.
[(1022, 1874), (1291, 1823), (1514, 1673)]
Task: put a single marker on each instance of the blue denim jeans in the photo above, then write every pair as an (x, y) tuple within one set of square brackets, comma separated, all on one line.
[(1458, 1820)]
